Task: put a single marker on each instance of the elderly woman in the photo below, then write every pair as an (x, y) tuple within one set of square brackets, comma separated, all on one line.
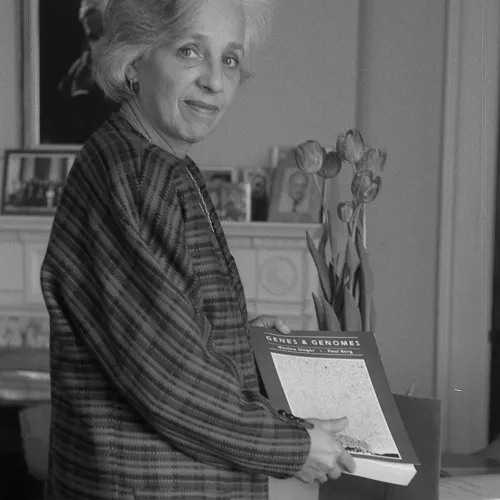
[(154, 388)]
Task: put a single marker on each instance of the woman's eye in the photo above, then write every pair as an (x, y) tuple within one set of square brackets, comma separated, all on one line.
[(231, 61), (187, 52)]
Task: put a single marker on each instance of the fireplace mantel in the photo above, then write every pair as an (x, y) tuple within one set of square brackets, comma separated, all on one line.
[(277, 273)]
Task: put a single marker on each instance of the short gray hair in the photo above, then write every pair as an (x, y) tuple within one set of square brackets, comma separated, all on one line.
[(135, 27)]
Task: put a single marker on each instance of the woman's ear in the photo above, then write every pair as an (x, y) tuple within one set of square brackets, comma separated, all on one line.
[(131, 72)]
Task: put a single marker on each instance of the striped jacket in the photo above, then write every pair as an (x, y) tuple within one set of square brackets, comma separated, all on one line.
[(154, 386)]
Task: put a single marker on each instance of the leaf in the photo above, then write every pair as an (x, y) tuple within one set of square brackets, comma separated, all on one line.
[(333, 277), (352, 260), (356, 289), (321, 267), (331, 236), (352, 317), (338, 303), (373, 317), (320, 313), (323, 241), (346, 275), (340, 284), (336, 265), (332, 322), (367, 285)]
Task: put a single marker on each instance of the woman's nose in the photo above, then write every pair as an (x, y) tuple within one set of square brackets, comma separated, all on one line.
[(212, 76)]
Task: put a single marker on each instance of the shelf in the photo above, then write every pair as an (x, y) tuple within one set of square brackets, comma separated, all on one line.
[(25, 223), (260, 229)]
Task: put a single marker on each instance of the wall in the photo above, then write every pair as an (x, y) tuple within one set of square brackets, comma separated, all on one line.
[(305, 86), (400, 105), (10, 75)]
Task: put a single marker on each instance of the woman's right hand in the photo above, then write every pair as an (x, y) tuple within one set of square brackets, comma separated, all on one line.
[(327, 459)]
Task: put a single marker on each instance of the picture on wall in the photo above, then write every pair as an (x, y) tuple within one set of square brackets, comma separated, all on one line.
[(33, 181), (294, 196), (63, 104)]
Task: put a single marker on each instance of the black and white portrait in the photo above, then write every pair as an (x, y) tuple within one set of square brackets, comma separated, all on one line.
[(295, 196), (65, 104), (33, 182)]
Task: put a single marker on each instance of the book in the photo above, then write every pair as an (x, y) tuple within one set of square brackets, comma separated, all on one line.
[(479, 487), (422, 420), (329, 375)]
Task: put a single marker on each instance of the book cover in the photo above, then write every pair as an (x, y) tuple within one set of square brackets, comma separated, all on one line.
[(422, 420), (329, 375)]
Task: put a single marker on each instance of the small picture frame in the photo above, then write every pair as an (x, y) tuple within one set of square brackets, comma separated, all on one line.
[(231, 200), (33, 180), (260, 180), (219, 174), (294, 196)]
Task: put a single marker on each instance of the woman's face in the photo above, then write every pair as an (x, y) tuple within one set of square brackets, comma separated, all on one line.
[(186, 88)]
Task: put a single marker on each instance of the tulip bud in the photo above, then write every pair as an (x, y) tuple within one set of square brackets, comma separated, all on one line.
[(350, 146), (331, 166), (345, 211), (310, 156), (365, 187), (373, 159)]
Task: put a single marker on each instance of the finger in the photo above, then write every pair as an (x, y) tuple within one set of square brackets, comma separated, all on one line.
[(334, 473), (346, 461), (322, 479), (335, 425), (304, 478), (308, 424), (281, 326)]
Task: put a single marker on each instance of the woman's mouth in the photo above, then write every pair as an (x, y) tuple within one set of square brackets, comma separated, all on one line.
[(202, 107)]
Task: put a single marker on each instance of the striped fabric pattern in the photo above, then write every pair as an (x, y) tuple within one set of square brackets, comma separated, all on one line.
[(154, 386)]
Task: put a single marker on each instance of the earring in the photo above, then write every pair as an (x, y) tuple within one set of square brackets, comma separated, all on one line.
[(133, 85)]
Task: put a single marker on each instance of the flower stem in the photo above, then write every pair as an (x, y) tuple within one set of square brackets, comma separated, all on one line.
[(363, 223), (323, 201), (354, 221)]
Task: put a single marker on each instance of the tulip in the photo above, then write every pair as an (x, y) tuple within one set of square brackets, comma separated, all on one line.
[(373, 159), (350, 146), (310, 156), (365, 187), (331, 166), (345, 211)]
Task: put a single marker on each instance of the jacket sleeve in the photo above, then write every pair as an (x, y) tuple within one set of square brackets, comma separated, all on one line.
[(153, 339)]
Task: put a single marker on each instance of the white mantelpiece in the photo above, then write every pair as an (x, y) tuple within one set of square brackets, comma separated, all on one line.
[(277, 272)]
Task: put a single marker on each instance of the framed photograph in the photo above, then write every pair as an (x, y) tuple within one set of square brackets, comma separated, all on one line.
[(219, 174), (63, 105), (231, 200), (260, 180), (294, 195), (33, 181)]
